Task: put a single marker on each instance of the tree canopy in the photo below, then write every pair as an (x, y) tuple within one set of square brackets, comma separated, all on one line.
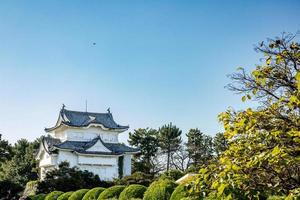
[(263, 155)]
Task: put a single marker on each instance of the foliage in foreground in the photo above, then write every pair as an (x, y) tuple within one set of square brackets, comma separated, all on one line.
[(263, 155), (78, 195), (179, 193), (53, 195), (133, 192), (93, 194), (65, 196), (160, 190), (112, 192)]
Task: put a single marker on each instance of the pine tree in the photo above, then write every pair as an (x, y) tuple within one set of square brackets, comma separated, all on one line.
[(169, 140)]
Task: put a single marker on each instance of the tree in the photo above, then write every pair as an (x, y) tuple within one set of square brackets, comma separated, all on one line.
[(5, 150), (199, 147), (263, 153), (146, 140), (67, 179), (169, 140), (220, 143), (21, 168)]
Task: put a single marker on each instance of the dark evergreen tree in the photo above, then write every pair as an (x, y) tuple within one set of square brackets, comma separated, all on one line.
[(21, 168), (67, 179), (169, 140), (5, 150), (220, 143), (146, 140), (199, 147)]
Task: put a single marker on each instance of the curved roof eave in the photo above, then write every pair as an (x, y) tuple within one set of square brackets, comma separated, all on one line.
[(121, 129)]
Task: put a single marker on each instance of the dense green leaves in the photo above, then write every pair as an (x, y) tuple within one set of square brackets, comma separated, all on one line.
[(69, 179), (53, 195), (134, 191), (78, 195), (199, 147), (160, 190), (146, 140), (169, 140), (93, 194), (264, 143), (112, 192)]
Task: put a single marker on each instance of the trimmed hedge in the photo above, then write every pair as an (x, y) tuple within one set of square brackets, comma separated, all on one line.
[(65, 196), (53, 195), (179, 193), (78, 195), (160, 190), (112, 192), (93, 194), (38, 197), (133, 192)]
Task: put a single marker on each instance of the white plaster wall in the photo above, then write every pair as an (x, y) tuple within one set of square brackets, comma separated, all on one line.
[(127, 165), (47, 160), (107, 173), (67, 156), (96, 160), (87, 134), (99, 147)]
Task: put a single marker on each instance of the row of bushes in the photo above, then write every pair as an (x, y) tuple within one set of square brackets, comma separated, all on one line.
[(163, 189)]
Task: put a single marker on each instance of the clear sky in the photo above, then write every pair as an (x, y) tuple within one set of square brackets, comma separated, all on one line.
[(154, 62)]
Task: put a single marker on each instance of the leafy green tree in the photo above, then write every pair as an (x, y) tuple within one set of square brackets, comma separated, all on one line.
[(220, 143), (169, 140), (21, 168), (67, 179), (199, 147), (5, 150), (262, 158), (146, 140)]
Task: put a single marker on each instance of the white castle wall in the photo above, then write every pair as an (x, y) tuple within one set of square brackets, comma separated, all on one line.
[(85, 134)]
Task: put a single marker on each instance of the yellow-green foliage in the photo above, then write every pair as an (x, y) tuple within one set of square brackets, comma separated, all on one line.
[(31, 188), (179, 192), (53, 195), (160, 190), (112, 192), (78, 195), (263, 153), (65, 196), (133, 192), (93, 194)]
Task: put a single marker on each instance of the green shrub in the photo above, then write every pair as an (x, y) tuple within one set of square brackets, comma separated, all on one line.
[(160, 190), (135, 178), (112, 192), (93, 194), (78, 195), (133, 192), (173, 174), (38, 197), (65, 196), (179, 193), (53, 195)]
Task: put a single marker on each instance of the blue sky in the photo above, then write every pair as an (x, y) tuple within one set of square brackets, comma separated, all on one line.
[(154, 62)]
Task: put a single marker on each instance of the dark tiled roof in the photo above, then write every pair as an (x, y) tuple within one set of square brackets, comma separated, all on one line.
[(82, 147), (83, 119)]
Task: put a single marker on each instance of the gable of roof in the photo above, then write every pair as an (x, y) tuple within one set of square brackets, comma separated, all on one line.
[(83, 147), (84, 119)]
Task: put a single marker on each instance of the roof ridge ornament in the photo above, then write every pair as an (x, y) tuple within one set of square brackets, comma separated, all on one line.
[(108, 109)]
